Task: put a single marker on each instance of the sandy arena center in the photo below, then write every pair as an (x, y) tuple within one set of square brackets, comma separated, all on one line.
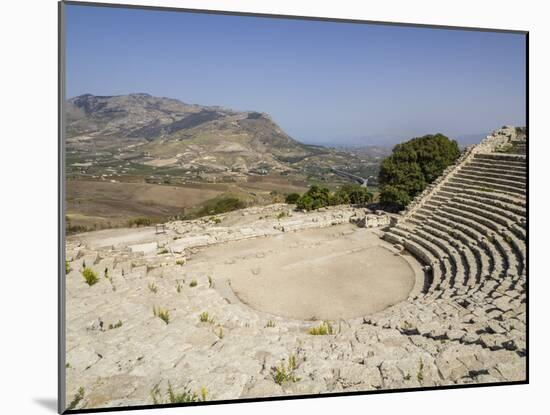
[(329, 274)]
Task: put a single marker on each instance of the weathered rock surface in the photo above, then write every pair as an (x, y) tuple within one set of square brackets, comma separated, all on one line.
[(465, 324)]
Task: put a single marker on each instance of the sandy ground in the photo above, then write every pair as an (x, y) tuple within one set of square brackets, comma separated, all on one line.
[(331, 273)]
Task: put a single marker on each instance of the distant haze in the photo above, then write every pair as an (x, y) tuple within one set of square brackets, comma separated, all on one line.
[(325, 83)]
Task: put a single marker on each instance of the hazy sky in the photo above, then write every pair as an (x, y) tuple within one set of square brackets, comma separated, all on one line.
[(322, 82)]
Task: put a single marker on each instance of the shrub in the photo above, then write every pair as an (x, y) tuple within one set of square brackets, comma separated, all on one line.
[(292, 198), (178, 287), (116, 325), (162, 313), (163, 251), (139, 221), (180, 262), (270, 323), (412, 166), (325, 328), (221, 205), (210, 282), (193, 283), (90, 276), (71, 229), (315, 198), (67, 267), (354, 194)]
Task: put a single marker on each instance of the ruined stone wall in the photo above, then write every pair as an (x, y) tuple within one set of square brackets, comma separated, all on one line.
[(267, 221)]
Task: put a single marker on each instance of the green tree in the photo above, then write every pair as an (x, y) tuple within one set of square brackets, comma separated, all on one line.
[(357, 194), (305, 202), (292, 198), (316, 197), (412, 166)]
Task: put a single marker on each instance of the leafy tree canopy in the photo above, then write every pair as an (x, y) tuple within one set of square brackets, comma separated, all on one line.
[(317, 197), (412, 166), (292, 198)]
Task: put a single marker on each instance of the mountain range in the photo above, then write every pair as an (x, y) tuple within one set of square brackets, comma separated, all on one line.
[(165, 132)]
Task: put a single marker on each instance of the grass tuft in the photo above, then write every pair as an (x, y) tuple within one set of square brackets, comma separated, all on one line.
[(285, 373), (172, 396), (152, 287), (162, 313), (204, 393), (204, 317), (325, 328), (79, 395), (420, 374), (90, 276)]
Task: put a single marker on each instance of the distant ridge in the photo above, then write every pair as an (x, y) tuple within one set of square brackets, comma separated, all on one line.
[(167, 127)]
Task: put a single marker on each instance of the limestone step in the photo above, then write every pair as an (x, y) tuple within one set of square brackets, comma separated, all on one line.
[(498, 166), (459, 273), (484, 258), (489, 180), (485, 215), (422, 254), (514, 200), (492, 167), (480, 233), (461, 254), (506, 209), (519, 230), (476, 184), (492, 231), (493, 173), (508, 158), (519, 248)]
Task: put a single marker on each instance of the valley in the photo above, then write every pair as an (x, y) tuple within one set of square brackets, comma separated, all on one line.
[(141, 156)]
